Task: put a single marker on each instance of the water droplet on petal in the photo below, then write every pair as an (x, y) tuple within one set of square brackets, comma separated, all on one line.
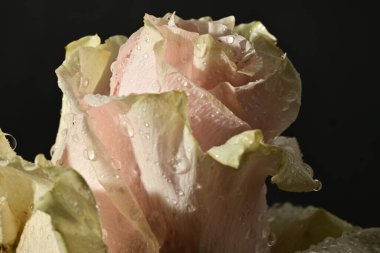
[(89, 154), (230, 39), (185, 84), (146, 124), (198, 186), (116, 176), (190, 208), (145, 56), (181, 193), (75, 138), (116, 164), (271, 239), (139, 47), (11, 140), (52, 150), (291, 96), (318, 186), (84, 82)]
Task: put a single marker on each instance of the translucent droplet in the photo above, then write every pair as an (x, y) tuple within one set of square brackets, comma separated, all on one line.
[(181, 193), (230, 39), (89, 154), (146, 124), (190, 208), (179, 79), (291, 96), (185, 84), (145, 56), (271, 239), (318, 186), (75, 138), (198, 186), (285, 108), (52, 150), (139, 47), (117, 176), (116, 164), (84, 82), (64, 132), (147, 136), (11, 140)]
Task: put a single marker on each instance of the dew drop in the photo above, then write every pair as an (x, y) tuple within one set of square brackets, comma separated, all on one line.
[(230, 39), (84, 82), (190, 208), (179, 79), (318, 186), (146, 124), (116, 176), (185, 84), (145, 56), (116, 164), (291, 96), (271, 239), (181, 193), (11, 140), (89, 154), (75, 138), (52, 150), (198, 186), (147, 136), (139, 47)]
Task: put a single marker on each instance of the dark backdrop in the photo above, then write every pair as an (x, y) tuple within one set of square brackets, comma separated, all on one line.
[(327, 42)]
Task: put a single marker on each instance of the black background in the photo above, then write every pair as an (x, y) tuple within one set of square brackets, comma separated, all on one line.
[(329, 43)]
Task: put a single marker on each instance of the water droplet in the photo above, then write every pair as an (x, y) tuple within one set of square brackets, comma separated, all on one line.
[(116, 164), (139, 47), (285, 108), (175, 202), (198, 186), (52, 150), (230, 39), (179, 79), (89, 154), (11, 140), (291, 96), (116, 176), (185, 84), (75, 138), (145, 56), (64, 133), (318, 186), (147, 136), (190, 208), (181, 193), (146, 124), (271, 239), (84, 82)]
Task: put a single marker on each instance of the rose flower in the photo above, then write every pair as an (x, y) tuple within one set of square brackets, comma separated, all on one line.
[(176, 129)]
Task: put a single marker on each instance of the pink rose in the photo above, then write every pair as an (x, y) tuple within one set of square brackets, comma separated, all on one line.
[(177, 146)]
